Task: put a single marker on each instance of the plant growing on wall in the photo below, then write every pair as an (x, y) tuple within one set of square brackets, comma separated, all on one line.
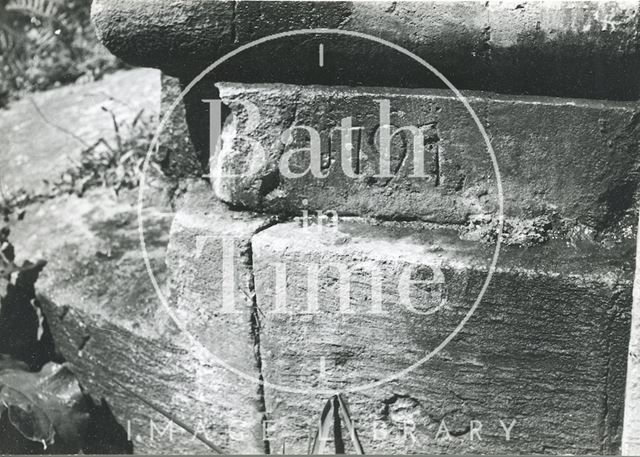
[(44, 43)]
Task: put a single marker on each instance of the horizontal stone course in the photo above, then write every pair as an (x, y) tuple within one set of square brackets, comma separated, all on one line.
[(573, 49), (546, 346), (574, 158)]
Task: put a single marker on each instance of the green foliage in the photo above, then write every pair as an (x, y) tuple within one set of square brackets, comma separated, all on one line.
[(115, 165), (45, 43)]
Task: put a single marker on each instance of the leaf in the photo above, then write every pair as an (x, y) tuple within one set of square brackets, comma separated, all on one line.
[(32, 422), (47, 407), (338, 442), (348, 423), (324, 428), (335, 413)]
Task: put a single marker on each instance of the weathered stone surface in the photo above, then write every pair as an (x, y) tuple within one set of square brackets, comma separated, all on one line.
[(574, 158), (631, 432), (577, 49), (181, 154), (546, 346), (68, 120), (212, 296), (107, 320)]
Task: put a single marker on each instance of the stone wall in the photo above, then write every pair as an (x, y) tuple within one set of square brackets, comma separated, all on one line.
[(287, 290)]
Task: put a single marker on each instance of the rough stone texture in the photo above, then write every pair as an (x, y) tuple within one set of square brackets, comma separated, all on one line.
[(574, 158), (209, 246), (572, 48), (546, 346), (631, 433), (107, 320), (180, 152), (68, 120)]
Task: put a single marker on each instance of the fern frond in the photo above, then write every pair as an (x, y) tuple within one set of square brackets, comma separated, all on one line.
[(47, 11), (43, 8), (8, 38)]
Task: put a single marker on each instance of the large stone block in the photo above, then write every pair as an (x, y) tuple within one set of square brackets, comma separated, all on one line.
[(574, 158), (572, 48), (211, 295), (545, 348), (108, 322)]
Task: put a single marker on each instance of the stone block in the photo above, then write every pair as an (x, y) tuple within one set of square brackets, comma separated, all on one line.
[(545, 348), (574, 158), (211, 294), (568, 48), (108, 322)]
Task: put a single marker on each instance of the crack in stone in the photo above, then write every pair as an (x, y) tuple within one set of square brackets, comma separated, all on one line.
[(255, 328)]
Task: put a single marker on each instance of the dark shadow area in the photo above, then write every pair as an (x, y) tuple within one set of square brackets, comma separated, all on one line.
[(105, 435), (594, 64), (26, 343)]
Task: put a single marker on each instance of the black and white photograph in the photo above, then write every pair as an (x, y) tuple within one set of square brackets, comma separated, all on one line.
[(319, 227)]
